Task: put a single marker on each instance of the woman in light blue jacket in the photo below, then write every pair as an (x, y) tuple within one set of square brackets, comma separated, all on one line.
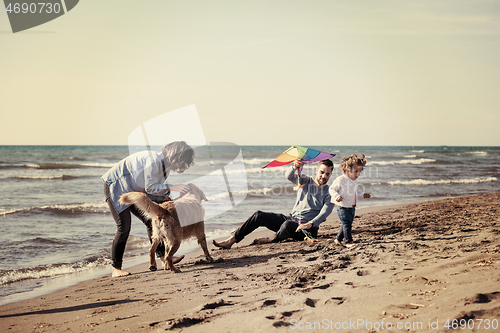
[(146, 172)]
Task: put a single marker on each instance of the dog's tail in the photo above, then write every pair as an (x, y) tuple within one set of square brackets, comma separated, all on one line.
[(148, 207)]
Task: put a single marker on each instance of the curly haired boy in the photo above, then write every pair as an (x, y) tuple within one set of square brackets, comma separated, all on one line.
[(344, 192)]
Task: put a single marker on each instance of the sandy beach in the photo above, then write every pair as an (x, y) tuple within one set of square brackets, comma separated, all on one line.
[(421, 267)]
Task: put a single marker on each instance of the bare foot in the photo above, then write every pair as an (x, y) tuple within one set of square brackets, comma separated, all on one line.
[(350, 244), (264, 240), (225, 244), (118, 273), (336, 241)]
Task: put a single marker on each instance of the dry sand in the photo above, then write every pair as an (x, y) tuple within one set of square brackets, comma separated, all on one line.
[(415, 267)]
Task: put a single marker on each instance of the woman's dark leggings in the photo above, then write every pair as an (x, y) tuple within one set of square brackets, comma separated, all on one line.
[(123, 224)]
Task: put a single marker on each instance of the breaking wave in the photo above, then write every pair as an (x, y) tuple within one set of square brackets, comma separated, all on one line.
[(423, 182), (85, 207), (418, 161), (56, 166), (16, 275), (58, 177)]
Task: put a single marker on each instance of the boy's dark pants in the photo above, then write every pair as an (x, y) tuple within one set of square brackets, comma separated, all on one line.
[(346, 216)]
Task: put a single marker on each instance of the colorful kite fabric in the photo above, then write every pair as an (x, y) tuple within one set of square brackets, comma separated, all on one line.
[(305, 155)]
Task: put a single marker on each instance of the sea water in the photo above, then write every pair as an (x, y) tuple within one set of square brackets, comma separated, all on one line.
[(56, 229)]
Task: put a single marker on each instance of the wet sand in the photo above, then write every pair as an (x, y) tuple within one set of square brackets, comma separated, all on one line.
[(416, 267)]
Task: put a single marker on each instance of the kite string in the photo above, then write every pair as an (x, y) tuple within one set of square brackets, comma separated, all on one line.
[(298, 177)]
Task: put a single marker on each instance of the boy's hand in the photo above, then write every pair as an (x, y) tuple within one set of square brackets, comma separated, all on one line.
[(339, 199), (367, 196)]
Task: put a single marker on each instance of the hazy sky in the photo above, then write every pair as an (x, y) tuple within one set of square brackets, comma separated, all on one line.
[(260, 72)]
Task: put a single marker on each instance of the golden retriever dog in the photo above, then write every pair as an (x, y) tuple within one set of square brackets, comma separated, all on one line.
[(172, 222)]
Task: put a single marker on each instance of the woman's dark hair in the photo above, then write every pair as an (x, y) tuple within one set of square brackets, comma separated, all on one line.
[(178, 153)]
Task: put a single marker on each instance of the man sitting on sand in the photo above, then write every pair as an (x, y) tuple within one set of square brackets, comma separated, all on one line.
[(312, 207)]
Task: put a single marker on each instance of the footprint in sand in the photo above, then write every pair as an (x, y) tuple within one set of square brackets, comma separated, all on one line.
[(362, 273), (283, 315), (310, 302), (288, 313), (280, 324), (268, 302), (215, 305), (483, 298), (334, 301), (323, 286), (183, 322)]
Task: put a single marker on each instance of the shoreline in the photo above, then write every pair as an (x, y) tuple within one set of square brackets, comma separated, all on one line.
[(421, 262), (136, 264)]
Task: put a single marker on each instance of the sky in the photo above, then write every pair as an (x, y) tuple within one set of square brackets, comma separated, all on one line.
[(281, 72)]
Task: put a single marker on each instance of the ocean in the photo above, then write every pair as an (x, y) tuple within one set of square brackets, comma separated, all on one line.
[(56, 230)]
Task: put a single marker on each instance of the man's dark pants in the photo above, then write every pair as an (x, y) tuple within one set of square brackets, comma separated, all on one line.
[(283, 225)]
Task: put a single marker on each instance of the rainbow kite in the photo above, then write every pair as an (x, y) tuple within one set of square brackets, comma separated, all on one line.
[(305, 155)]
